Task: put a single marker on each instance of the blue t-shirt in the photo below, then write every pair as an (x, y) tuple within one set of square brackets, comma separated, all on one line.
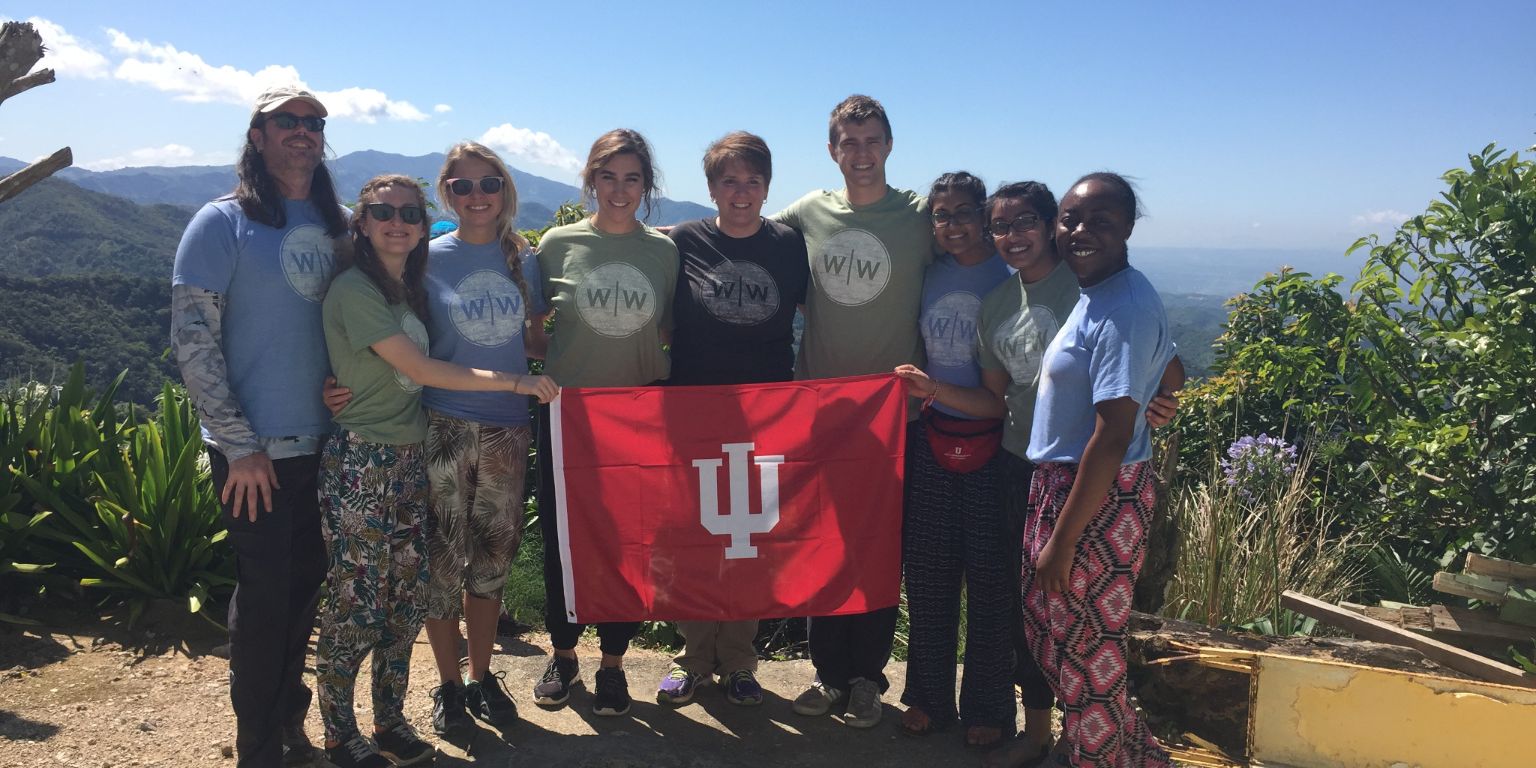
[(273, 281), (952, 296), (476, 317), (1114, 344)]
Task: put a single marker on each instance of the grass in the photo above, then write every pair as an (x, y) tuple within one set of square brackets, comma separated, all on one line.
[(1240, 547)]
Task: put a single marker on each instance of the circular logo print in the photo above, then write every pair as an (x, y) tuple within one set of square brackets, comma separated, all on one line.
[(307, 257), (487, 308), (1020, 341), (949, 329), (417, 333), (852, 267), (615, 300), (739, 293)]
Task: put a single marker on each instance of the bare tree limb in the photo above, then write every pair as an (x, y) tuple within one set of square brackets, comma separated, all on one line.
[(20, 84), (21, 47), (15, 183)]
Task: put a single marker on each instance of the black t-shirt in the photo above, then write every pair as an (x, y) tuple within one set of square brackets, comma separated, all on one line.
[(734, 309)]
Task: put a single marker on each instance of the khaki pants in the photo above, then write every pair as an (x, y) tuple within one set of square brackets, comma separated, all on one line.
[(717, 647)]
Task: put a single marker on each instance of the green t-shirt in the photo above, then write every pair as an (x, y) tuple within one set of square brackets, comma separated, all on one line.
[(612, 298), (1016, 323), (866, 290), (386, 404)]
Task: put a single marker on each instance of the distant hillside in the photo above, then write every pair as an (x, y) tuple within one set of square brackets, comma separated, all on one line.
[(112, 322), (192, 186), (57, 228)]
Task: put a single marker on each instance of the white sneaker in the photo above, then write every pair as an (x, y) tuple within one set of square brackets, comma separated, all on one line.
[(864, 708), (817, 699)]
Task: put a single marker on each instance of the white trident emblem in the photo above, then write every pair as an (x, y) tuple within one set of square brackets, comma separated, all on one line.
[(740, 523)]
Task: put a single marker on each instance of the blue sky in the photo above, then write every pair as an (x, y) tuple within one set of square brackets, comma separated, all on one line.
[(1275, 125)]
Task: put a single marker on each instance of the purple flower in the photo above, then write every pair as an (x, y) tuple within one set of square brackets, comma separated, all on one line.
[(1254, 464)]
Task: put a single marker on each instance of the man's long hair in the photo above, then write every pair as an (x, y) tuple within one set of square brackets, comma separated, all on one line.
[(262, 201)]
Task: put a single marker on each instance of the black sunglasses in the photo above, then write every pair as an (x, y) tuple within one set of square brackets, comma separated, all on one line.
[(288, 121), (488, 184), (410, 214)]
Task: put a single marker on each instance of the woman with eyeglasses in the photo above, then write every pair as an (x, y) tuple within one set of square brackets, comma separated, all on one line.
[(1092, 491), (953, 531), (373, 482), (610, 279)]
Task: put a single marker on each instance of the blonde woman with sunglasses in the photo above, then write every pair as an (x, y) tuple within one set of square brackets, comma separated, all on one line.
[(373, 482)]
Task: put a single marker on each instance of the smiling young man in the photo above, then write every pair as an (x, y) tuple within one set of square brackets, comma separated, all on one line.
[(869, 245), (250, 273)]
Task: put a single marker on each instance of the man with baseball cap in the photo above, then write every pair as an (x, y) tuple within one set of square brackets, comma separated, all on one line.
[(250, 273)]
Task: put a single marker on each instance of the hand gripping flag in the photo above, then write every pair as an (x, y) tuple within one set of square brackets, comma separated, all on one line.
[(730, 502)]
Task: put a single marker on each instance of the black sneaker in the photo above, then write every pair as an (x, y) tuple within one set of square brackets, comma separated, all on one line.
[(356, 752), (402, 745), (448, 714), (488, 700), (612, 697), (555, 687), (298, 752)]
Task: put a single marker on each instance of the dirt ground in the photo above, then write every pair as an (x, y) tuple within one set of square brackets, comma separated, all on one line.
[(88, 694)]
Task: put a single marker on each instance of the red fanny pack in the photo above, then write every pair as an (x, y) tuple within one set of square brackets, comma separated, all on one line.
[(962, 445)]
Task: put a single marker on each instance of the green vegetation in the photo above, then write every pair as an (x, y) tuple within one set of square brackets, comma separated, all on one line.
[(104, 501), (57, 228)]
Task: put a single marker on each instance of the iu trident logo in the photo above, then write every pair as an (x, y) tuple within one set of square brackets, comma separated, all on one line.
[(740, 523)]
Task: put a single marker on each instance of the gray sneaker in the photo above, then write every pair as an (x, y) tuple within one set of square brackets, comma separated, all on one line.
[(864, 707), (817, 699)]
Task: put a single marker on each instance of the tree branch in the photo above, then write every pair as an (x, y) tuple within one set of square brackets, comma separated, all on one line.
[(15, 183), (20, 84)]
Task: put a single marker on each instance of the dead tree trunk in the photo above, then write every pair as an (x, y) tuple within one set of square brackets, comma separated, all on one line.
[(21, 47)]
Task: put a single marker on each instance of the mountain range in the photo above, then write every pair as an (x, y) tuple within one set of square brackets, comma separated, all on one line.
[(191, 186)]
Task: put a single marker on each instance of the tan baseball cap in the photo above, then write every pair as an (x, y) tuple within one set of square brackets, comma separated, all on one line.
[(272, 98)]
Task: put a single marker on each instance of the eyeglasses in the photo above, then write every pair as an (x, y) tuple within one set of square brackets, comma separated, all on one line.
[(410, 214), (462, 187), (1021, 224), (288, 121), (959, 216)]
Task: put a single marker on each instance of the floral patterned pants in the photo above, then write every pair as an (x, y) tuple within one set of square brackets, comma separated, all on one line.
[(374, 500), (1078, 636)]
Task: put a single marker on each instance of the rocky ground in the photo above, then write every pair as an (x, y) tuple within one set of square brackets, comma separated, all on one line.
[(96, 695)]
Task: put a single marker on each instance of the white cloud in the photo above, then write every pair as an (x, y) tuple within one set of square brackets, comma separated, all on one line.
[(66, 55), (441, 108), (168, 155), (188, 77), (533, 146), (1376, 218)]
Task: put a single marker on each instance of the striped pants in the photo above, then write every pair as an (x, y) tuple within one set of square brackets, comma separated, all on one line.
[(1079, 636)]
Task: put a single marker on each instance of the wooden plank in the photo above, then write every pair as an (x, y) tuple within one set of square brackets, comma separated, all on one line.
[(1494, 568), (1473, 587), (1470, 623), (1367, 628)]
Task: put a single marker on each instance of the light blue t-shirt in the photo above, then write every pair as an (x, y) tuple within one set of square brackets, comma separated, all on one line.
[(272, 281), (1114, 344), (952, 296), (476, 317)]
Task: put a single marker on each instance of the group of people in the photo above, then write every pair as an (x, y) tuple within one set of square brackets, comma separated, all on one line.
[(1037, 353)]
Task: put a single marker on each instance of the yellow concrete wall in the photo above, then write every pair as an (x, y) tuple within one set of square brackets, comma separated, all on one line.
[(1320, 714)]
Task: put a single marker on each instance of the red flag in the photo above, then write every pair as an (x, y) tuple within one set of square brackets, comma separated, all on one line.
[(730, 502)]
